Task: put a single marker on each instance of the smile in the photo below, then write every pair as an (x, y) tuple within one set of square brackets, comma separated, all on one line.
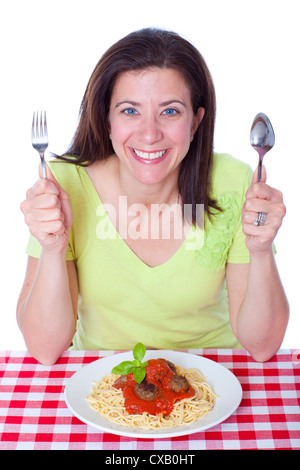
[(149, 155)]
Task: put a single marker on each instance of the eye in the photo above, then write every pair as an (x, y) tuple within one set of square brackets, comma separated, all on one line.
[(130, 111), (170, 112)]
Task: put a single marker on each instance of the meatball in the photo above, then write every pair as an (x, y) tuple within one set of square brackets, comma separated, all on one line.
[(172, 366), (145, 390), (179, 383)]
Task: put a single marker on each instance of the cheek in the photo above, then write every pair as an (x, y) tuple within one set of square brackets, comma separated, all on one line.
[(119, 132), (181, 135), (183, 131), (120, 129)]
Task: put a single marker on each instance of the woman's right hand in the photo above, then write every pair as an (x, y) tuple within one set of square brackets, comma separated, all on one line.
[(48, 213)]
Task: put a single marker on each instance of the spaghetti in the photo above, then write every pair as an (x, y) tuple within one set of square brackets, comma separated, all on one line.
[(109, 402)]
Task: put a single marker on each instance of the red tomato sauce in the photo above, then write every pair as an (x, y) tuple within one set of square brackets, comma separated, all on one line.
[(159, 373)]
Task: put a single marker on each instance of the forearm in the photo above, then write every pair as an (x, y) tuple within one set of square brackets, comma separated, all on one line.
[(264, 312), (46, 316)]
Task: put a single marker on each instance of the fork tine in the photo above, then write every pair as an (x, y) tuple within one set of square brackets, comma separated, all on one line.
[(45, 125), (37, 134), (32, 128), (41, 126)]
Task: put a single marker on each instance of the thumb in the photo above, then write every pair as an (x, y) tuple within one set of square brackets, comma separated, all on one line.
[(263, 175), (63, 195), (49, 175)]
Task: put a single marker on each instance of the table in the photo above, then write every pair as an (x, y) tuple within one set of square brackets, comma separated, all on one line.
[(33, 413)]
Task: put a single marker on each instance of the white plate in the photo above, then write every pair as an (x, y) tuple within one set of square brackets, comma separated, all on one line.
[(222, 381)]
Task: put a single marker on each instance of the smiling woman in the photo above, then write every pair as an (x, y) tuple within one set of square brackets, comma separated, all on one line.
[(145, 135), (133, 57)]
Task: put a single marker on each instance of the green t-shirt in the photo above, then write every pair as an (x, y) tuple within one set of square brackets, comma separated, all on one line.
[(180, 304)]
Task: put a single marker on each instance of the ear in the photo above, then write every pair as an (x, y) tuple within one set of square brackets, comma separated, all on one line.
[(196, 123)]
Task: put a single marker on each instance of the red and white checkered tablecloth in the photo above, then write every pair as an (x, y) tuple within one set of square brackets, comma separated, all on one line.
[(34, 415)]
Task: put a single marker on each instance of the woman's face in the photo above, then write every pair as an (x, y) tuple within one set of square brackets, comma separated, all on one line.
[(152, 123)]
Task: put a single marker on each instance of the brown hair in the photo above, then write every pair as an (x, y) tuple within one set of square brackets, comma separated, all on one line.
[(140, 50)]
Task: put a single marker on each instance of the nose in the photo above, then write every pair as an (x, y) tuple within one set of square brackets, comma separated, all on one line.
[(150, 131)]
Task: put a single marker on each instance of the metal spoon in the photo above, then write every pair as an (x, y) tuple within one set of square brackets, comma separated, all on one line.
[(262, 138)]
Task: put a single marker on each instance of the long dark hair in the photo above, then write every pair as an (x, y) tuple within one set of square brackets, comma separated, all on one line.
[(146, 49)]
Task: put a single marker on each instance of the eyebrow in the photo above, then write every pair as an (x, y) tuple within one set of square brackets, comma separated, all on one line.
[(135, 103), (167, 103), (132, 103)]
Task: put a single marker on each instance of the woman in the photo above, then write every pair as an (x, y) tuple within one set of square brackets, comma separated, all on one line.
[(158, 269)]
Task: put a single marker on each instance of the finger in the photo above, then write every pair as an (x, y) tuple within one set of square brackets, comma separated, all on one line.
[(54, 227), (63, 196), (264, 191), (47, 215), (249, 217), (252, 230), (51, 178), (260, 234), (49, 175), (252, 191), (258, 205), (46, 201), (42, 186)]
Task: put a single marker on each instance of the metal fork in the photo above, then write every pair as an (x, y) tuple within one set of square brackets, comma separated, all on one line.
[(39, 137)]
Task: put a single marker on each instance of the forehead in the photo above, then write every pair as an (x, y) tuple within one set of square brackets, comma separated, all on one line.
[(151, 82)]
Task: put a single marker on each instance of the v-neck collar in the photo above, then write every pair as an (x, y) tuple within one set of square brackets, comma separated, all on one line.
[(122, 245)]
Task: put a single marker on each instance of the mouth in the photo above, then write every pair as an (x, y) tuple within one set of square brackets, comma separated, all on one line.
[(149, 157)]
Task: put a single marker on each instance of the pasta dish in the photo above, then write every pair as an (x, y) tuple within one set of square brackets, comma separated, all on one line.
[(168, 396)]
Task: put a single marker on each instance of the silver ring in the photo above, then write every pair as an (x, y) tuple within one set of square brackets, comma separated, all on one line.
[(260, 219)]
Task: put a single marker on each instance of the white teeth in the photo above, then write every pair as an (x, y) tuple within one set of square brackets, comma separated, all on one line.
[(149, 156)]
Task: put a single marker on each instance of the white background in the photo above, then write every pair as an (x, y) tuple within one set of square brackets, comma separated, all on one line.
[(49, 49)]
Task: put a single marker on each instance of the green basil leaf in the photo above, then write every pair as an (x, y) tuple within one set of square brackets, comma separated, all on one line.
[(124, 368), (144, 364), (139, 374), (136, 363), (139, 351)]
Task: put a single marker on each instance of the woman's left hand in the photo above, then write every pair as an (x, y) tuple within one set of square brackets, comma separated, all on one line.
[(262, 198)]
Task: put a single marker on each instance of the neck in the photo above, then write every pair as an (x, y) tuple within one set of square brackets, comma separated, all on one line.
[(165, 192)]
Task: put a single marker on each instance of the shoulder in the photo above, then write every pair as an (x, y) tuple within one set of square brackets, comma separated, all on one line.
[(65, 173), (61, 166), (229, 174)]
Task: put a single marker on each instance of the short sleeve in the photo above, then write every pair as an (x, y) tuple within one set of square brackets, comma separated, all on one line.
[(238, 252), (33, 247)]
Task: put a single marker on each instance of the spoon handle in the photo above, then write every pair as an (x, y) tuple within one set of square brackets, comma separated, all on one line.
[(259, 170)]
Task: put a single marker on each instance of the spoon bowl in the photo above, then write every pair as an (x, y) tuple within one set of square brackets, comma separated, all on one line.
[(262, 138)]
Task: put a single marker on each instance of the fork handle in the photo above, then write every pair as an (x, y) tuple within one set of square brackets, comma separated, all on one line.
[(43, 166)]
